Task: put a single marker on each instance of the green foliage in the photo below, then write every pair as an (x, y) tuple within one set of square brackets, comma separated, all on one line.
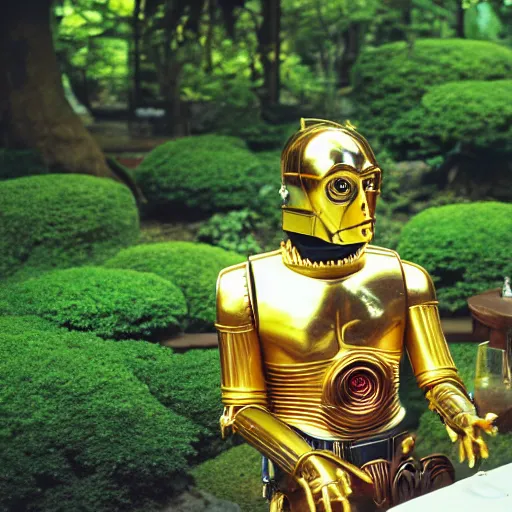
[(62, 220), (192, 267), (80, 432), (18, 163), (200, 175), (477, 114), (188, 383), (464, 247), (234, 476), (232, 231), (391, 79), (110, 303)]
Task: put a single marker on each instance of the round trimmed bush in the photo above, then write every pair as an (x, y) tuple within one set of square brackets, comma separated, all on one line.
[(58, 221), (393, 77), (79, 430), (188, 383), (17, 163), (111, 303), (475, 113), (197, 176), (191, 266), (464, 247)]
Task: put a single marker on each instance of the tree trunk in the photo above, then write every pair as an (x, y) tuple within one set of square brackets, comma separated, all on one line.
[(136, 92), (34, 112), (269, 48), (352, 47), (460, 20)]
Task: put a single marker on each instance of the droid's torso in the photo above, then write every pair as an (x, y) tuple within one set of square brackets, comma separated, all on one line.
[(331, 348)]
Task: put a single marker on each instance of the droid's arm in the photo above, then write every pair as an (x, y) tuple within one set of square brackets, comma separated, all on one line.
[(435, 370), (246, 408)]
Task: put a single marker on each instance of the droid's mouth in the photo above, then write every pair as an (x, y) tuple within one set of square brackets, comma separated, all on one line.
[(310, 251)]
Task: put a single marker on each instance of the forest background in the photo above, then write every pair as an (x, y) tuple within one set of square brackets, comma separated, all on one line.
[(139, 155)]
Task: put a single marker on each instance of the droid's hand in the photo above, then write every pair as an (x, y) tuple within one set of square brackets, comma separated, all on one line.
[(467, 428), (325, 480)]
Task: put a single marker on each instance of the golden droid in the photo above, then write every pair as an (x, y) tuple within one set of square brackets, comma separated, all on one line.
[(311, 337)]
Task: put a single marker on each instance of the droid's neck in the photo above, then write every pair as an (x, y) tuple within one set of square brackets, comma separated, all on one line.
[(315, 249), (315, 258)]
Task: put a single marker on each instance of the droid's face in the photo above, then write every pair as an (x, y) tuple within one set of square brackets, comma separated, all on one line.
[(333, 182)]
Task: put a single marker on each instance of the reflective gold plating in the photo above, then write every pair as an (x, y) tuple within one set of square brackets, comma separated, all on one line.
[(333, 180)]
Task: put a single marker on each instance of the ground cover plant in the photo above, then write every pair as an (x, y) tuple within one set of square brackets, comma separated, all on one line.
[(110, 303), (464, 247), (193, 267), (54, 221)]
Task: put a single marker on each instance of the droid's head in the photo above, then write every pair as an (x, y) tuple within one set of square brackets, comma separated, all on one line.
[(330, 183)]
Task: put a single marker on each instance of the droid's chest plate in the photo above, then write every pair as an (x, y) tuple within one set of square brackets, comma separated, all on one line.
[(332, 348)]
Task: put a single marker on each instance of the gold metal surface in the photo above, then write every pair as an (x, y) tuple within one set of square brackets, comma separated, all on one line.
[(427, 348), (315, 161)]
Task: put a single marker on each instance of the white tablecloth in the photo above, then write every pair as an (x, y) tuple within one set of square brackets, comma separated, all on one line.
[(489, 491)]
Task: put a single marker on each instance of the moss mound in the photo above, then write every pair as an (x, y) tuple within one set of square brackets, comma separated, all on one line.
[(58, 221), (193, 267), (392, 78), (464, 247), (16, 163), (442, 119), (197, 176), (79, 430), (110, 303)]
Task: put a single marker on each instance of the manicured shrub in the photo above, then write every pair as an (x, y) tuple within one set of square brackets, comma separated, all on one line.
[(188, 383), (477, 114), (197, 176), (464, 247), (62, 220), (192, 267), (79, 430), (392, 78), (15, 163), (111, 303)]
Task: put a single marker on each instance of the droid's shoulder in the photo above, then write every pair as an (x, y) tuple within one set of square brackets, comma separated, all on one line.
[(233, 298)]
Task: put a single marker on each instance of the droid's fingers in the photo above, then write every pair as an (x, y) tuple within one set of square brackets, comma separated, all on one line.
[(344, 482), (462, 452), (326, 499), (487, 424), (467, 441), (332, 493), (308, 493), (452, 434), (482, 448)]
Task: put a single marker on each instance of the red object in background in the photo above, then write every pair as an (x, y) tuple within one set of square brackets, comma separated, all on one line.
[(130, 162)]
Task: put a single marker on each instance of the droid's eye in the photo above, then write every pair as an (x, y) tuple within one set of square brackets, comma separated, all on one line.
[(341, 186), (340, 190)]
